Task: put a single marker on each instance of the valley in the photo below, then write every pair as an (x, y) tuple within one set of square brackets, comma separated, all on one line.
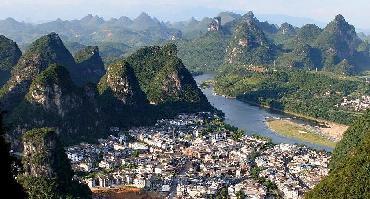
[(227, 107), (197, 155), (254, 120)]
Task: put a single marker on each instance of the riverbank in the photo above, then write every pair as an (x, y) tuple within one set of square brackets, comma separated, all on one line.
[(251, 118), (320, 132), (334, 131), (302, 132)]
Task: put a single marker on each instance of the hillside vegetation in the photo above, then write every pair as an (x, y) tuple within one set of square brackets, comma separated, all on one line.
[(75, 95), (314, 94), (350, 165)]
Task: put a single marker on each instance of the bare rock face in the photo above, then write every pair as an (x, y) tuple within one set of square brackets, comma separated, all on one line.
[(52, 98), (215, 25), (248, 44), (121, 81), (54, 91), (47, 50), (172, 84)]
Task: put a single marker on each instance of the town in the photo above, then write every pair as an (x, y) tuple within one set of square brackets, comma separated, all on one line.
[(197, 156)]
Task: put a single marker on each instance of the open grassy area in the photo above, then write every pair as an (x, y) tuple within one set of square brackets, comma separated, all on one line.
[(291, 129)]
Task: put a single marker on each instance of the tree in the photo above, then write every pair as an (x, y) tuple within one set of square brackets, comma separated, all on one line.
[(6, 174), (240, 195), (47, 170), (222, 193), (350, 166)]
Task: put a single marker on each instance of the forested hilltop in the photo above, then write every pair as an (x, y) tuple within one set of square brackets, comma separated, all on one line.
[(49, 87), (248, 42), (319, 95), (307, 71), (349, 175)]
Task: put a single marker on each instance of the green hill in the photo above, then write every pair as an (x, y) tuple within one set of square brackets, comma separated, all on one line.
[(308, 34), (46, 50), (164, 78), (302, 56), (339, 41), (120, 97), (249, 44), (350, 165), (90, 66), (47, 170), (206, 53), (9, 56)]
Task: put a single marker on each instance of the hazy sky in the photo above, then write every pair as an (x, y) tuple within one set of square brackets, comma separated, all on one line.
[(356, 11)]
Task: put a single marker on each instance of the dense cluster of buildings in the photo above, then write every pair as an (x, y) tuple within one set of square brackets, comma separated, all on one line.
[(293, 169), (359, 104), (196, 156)]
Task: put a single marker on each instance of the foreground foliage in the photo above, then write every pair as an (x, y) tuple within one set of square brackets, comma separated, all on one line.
[(48, 172), (10, 185), (350, 165)]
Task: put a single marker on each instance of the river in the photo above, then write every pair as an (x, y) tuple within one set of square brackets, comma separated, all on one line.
[(250, 118)]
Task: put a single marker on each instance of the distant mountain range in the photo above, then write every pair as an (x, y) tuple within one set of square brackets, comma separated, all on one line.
[(246, 40), (90, 29), (118, 37), (295, 21)]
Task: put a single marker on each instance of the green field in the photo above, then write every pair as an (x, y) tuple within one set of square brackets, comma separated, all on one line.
[(291, 129)]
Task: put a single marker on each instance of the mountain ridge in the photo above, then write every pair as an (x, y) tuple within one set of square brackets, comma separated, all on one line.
[(51, 94)]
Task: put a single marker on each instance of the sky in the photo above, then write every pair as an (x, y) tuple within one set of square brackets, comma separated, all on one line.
[(356, 12)]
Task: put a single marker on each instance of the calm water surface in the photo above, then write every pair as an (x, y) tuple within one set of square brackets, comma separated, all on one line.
[(249, 118)]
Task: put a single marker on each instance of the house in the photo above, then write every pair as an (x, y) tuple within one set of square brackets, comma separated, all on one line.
[(75, 157), (138, 146), (139, 182), (104, 181), (158, 170), (91, 182), (290, 193), (86, 166), (105, 164), (166, 188), (118, 147)]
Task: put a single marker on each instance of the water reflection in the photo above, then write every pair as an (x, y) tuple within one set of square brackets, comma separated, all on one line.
[(249, 118)]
